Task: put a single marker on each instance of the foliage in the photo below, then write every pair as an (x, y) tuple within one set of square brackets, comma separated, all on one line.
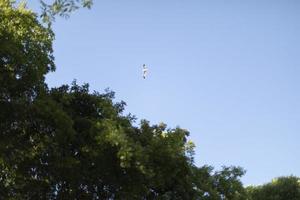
[(224, 184), (69, 143), (25, 58), (25, 54), (62, 8), (281, 188)]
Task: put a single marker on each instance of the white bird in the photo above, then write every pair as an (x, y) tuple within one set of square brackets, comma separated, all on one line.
[(145, 71)]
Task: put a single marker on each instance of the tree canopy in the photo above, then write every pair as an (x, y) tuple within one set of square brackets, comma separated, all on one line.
[(62, 8), (70, 143), (281, 188)]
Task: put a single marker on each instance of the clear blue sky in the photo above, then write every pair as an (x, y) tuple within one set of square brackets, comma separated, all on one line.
[(228, 71)]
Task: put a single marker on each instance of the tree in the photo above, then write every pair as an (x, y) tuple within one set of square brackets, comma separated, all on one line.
[(224, 184), (26, 52), (281, 188), (25, 58), (69, 143), (62, 8)]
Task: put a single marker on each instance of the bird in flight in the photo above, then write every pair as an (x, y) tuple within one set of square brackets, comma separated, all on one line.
[(145, 71)]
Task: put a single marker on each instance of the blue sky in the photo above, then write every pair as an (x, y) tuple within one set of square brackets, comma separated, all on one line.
[(228, 71)]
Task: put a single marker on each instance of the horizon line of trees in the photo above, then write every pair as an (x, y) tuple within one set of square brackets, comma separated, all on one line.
[(69, 143)]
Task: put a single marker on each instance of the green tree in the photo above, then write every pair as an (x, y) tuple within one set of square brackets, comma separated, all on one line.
[(25, 58), (214, 185), (69, 143), (61, 8), (281, 188), (26, 52)]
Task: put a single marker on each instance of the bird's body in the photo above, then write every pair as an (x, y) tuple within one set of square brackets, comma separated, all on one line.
[(145, 71)]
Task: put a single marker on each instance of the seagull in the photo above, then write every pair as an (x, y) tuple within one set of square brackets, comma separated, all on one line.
[(145, 71)]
